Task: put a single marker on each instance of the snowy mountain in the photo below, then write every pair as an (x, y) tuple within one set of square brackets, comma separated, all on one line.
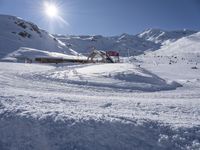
[(16, 33), (163, 37), (184, 50), (186, 45), (127, 45), (178, 60)]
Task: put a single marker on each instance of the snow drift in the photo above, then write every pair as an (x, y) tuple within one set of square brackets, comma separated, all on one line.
[(24, 53), (124, 76)]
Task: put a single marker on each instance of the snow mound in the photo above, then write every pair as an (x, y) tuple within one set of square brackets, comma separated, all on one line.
[(16, 33), (29, 53), (123, 76)]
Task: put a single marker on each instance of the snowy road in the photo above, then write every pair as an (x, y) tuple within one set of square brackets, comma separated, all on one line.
[(54, 114)]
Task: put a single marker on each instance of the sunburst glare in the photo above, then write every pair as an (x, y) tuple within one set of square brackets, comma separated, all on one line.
[(53, 14), (51, 10)]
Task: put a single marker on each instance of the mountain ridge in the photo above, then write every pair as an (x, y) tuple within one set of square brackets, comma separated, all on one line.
[(126, 44), (16, 32)]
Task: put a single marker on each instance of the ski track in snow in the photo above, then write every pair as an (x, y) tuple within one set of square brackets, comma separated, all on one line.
[(60, 115)]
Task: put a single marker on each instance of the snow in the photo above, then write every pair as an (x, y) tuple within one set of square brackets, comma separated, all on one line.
[(16, 33), (122, 75), (187, 46), (125, 44), (164, 37), (42, 110), (149, 102), (122, 43), (31, 54)]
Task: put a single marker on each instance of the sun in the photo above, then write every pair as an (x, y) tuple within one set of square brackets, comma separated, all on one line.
[(51, 10)]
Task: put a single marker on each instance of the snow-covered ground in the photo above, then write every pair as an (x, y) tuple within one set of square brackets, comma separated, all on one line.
[(42, 107)]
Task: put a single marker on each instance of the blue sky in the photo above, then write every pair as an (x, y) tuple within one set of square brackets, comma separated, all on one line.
[(108, 17)]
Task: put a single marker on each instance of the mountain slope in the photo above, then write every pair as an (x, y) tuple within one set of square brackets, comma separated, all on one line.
[(186, 45), (16, 33), (127, 45), (186, 49), (179, 61), (164, 37)]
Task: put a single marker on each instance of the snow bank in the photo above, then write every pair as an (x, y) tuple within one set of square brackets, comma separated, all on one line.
[(122, 75), (29, 53)]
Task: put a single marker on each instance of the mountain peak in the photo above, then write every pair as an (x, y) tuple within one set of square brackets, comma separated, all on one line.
[(148, 30)]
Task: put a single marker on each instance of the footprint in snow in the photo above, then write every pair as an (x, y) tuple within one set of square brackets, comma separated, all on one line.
[(106, 105)]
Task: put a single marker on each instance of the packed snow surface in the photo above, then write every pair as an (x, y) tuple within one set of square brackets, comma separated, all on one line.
[(42, 107)]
